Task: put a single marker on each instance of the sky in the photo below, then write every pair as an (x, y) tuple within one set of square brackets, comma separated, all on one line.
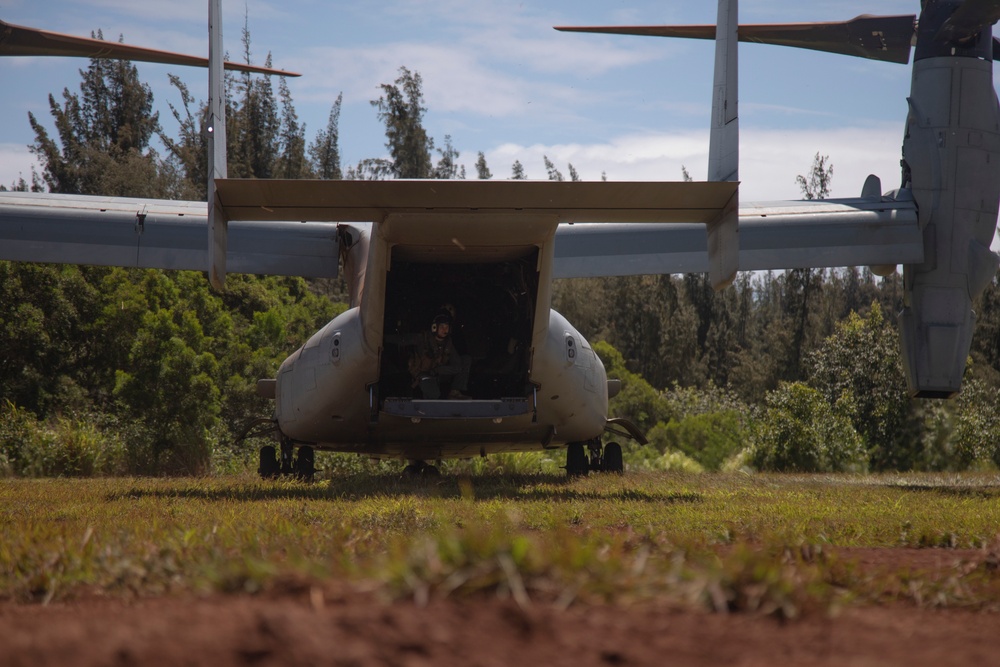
[(498, 79)]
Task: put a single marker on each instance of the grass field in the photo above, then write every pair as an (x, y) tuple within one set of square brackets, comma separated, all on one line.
[(771, 543)]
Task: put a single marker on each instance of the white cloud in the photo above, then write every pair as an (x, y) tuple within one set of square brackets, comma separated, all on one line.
[(769, 160)]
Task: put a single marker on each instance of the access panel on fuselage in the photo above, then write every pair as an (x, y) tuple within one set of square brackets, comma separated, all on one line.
[(494, 309)]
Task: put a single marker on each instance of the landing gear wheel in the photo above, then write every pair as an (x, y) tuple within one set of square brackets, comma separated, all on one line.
[(269, 467), (612, 459), (305, 466), (577, 463)]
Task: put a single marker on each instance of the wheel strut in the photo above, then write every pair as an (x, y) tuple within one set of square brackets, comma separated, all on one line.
[(596, 462), (287, 456)]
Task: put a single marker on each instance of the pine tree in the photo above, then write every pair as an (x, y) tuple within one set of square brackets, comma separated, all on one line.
[(550, 168), (103, 135), (482, 171), (256, 124), (447, 167), (188, 154), (21, 185), (401, 109), (817, 186), (804, 286), (291, 161), (517, 171), (324, 151)]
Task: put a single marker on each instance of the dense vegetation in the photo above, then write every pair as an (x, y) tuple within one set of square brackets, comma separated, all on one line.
[(113, 370), (109, 370)]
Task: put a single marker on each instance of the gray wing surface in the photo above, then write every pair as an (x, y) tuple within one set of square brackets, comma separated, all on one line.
[(153, 233), (772, 235), (164, 234)]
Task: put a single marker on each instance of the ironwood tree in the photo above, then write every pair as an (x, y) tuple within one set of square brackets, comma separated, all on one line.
[(324, 151), (101, 146), (401, 109)]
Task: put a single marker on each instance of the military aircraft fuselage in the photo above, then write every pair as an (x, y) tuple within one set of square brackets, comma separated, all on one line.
[(533, 380)]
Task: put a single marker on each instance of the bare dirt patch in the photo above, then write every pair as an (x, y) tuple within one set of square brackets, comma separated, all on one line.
[(335, 624)]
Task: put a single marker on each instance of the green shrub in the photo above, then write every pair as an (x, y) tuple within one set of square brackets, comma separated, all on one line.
[(677, 462), (738, 462), (648, 457), (709, 438), (17, 431), (977, 426), (509, 463), (638, 401), (689, 401), (62, 448), (862, 358), (799, 431)]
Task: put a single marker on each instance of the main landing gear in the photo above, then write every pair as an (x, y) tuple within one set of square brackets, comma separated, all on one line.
[(303, 466), (583, 457)]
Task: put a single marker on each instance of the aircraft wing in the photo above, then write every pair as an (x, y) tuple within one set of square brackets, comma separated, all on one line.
[(569, 201), (266, 234), (657, 227), (866, 231), (154, 233)]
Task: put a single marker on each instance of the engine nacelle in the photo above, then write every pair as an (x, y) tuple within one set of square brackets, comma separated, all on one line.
[(951, 161)]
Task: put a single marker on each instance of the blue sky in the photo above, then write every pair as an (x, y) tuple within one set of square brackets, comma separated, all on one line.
[(498, 79)]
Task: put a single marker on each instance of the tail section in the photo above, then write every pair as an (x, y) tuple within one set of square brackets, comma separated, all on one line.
[(217, 222), (23, 41), (951, 159), (724, 147)]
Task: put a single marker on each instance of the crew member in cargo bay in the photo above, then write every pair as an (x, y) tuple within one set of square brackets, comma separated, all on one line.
[(435, 364)]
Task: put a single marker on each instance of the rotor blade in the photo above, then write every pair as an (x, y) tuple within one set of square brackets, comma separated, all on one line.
[(886, 38), (969, 19), (20, 41)]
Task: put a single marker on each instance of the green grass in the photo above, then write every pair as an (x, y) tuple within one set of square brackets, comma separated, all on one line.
[(719, 542)]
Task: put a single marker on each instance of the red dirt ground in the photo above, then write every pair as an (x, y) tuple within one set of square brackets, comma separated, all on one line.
[(336, 625)]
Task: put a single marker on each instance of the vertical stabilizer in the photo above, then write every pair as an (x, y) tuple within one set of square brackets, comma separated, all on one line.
[(724, 147), (217, 223)]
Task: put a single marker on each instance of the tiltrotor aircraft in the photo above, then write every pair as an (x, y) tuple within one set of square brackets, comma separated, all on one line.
[(490, 250)]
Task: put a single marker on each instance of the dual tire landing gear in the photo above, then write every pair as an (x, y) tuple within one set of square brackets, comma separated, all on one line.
[(303, 466), (583, 457)]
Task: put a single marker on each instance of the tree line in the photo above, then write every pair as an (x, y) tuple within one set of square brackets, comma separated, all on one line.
[(121, 370)]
